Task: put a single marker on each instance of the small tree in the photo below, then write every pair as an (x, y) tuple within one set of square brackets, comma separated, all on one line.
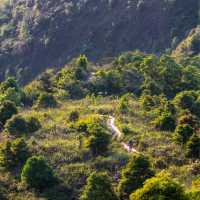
[(37, 173), (98, 187), (185, 100), (46, 100), (193, 147), (74, 116), (14, 154), (17, 125), (165, 122), (159, 188), (133, 175), (7, 110), (33, 124), (183, 133), (98, 140)]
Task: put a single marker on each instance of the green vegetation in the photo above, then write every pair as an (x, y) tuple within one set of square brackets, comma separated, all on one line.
[(98, 187), (58, 142), (134, 175), (37, 174), (159, 188)]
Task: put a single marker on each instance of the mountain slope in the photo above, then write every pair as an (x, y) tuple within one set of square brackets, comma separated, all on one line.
[(36, 34)]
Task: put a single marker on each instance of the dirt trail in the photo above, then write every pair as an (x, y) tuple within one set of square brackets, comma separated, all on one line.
[(118, 134)]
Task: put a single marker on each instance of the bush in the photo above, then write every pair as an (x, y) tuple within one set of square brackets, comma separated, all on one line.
[(98, 140), (133, 175), (185, 100), (33, 124), (17, 125), (46, 100), (159, 188), (193, 147), (37, 173), (165, 122), (183, 133), (74, 116), (98, 187), (14, 154), (147, 102), (190, 119), (7, 110)]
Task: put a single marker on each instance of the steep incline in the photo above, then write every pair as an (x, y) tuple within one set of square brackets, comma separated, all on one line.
[(36, 34)]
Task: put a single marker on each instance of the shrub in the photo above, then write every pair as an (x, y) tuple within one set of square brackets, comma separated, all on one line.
[(133, 175), (37, 173), (7, 110), (74, 116), (193, 147), (183, 133), (17, 125), (98, 140), (185, 100), (161, 187), (98, 187), (33, 124), (147, 102), (46, 100), (14, 153), (165, 122), (190, 119)]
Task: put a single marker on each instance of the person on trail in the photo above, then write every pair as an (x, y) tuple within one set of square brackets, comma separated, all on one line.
[(130, 144)]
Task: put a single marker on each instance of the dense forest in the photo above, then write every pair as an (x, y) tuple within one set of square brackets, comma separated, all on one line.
[(99, 100)]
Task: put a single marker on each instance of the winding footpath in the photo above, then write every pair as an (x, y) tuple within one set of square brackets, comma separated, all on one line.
[(118, 135)]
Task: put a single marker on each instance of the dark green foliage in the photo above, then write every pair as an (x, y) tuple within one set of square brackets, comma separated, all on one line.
[(16, 126), (183, 133), (37, 173), (98, 140), (98, 187), (134, 175), (46, 100), (185, 100), (159, 188), (74, 116), (33, 124), (10, 91), (147, 102), (10, 82), (14, 154), (165, 122), (193, 147), (190, 119), (7, 110), (46, 82)]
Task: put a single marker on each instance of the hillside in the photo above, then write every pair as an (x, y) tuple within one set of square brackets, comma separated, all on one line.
[(128, 130), (38, 34)]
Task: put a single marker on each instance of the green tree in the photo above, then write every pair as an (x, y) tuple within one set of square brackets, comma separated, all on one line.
[(159, 188), (46, 100), (165, 122), (98, 187), (74, 116), (37, 173), (17, 125), (134, 175), (193, 147), (14, 153), (98, 141), (33, 124), (185, 100), (7, 110), (183, 133)]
